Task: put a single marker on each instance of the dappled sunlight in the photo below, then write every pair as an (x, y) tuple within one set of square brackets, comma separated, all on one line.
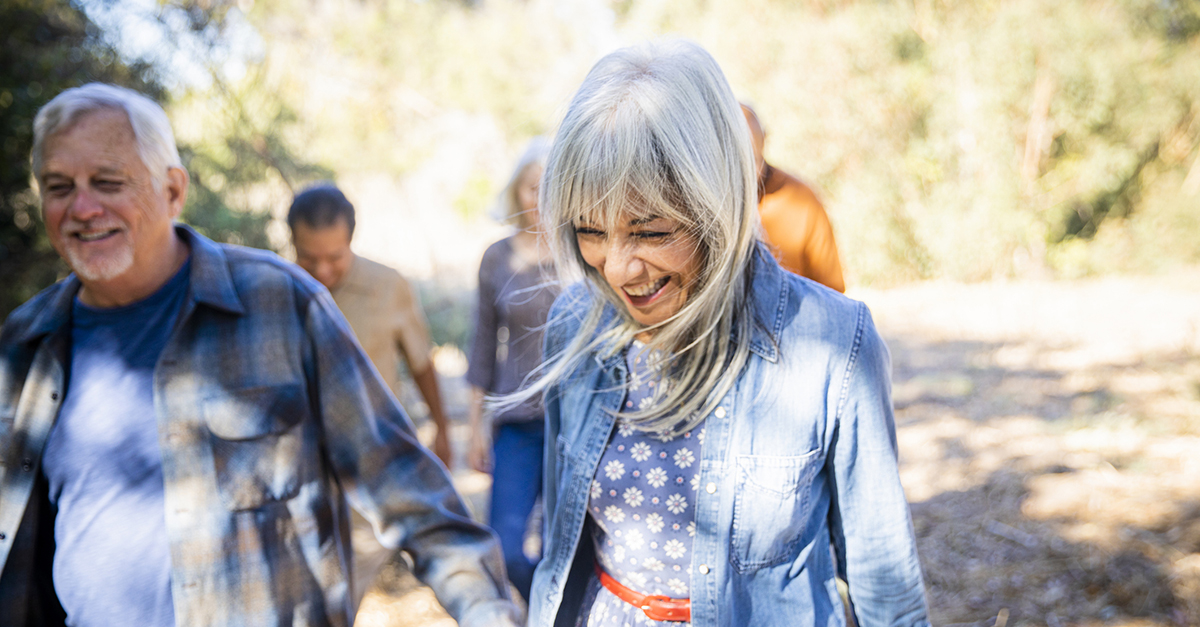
[(398, 600), (1050, 460)]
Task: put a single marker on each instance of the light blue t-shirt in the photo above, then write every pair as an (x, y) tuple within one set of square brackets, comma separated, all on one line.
[(112, 563)]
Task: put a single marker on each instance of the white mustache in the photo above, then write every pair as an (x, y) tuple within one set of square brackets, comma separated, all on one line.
[(72, 227)]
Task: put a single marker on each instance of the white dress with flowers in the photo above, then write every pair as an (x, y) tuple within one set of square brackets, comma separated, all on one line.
[(642, 506)]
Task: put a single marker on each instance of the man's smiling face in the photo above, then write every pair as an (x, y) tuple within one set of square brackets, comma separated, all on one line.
[(102, 211)]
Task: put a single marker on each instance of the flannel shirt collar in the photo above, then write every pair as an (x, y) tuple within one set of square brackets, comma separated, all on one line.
[(211, 284), (56, 314)]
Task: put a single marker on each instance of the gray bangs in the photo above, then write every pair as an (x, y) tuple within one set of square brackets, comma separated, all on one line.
[(625, 178)]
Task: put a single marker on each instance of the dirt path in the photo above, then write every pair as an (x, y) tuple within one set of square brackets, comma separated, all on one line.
[(1050, 448)]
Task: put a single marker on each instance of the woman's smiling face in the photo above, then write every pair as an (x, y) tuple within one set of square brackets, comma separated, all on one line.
[(651, 263)]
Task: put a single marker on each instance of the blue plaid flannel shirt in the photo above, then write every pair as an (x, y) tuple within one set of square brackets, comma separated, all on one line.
[(270, 419)]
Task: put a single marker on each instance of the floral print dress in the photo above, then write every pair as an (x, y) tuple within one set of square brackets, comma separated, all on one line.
[(642, 505)]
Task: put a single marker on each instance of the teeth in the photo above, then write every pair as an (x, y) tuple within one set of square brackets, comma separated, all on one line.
[(91, 237), (647, 289)]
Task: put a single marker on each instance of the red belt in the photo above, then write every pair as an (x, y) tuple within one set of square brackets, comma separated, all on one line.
[(656, 606)]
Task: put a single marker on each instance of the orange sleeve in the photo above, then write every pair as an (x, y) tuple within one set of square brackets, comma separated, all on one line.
[(821, 255), (800, 234)]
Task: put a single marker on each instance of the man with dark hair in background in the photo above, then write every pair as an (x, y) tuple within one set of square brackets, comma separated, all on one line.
[(794, 222), (183, 423), (384, 312)]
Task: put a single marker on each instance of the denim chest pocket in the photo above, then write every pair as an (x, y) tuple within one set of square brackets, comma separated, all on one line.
[(772, 505), (258, 443)]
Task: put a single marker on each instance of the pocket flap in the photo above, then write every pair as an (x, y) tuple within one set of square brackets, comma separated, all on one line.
[(781, 475), (254, 412)]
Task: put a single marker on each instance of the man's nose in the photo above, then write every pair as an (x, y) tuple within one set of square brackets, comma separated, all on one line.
[(85, 206), (323, 273)]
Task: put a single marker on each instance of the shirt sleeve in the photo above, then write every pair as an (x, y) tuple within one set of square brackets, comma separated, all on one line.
[(869, 519), (481, 366), (394, 482), (409, 327), (820, 250)]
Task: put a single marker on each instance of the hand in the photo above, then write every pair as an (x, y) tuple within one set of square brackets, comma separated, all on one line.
[(479, 454), (441, 446)]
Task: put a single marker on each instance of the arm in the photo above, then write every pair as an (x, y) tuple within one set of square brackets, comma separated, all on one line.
[(562, 325), (426, 381), (820, 252), (393, 481), (553, 343), (482, 365), (412, 336), (869, 519), (478, 455)]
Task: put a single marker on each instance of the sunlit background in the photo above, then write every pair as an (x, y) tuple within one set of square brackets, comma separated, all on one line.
[(1014, 186)]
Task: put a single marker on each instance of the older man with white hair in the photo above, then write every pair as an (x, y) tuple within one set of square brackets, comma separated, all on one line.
[(182, 423)]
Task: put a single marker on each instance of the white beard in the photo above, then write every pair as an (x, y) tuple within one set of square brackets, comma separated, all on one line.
[(104, 268), (97, 266)]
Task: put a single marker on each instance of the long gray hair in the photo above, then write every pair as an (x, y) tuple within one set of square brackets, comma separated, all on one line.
[(151, 128), (655, 131)]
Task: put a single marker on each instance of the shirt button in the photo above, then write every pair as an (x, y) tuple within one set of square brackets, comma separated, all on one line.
[(710, 488), (27, 464), (3, 536), (54, 396), (720, 413), (704, 569)]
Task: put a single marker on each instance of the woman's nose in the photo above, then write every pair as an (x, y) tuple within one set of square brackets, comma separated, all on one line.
[(622, 265)]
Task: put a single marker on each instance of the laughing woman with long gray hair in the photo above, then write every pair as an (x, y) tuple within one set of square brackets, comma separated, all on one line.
[(720, 438)]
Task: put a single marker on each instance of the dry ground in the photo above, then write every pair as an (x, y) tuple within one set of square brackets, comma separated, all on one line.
[(1050, 448)]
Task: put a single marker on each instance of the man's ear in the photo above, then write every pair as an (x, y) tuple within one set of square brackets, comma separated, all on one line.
[(176, 188)]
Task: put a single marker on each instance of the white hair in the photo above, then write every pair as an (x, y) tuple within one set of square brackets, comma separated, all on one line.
[(151, 129), (508, 207), (655, 131)]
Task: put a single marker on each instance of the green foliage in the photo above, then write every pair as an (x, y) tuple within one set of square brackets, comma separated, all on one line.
[(478, 193), (962, 140), (975, 140), (241, 167), (241, 160)]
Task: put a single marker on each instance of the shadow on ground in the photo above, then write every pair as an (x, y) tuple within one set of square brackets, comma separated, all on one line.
[(1051, 488)]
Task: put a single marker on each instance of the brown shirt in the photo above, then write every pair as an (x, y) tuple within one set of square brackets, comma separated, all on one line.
[(797, 229), (385, 313)]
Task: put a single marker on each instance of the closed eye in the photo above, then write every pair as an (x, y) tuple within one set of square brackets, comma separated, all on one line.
[(59, 189), (588, 231)]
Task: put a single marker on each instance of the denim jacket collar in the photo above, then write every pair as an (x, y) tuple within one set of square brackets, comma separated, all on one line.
[(211, 284), (769, 297)]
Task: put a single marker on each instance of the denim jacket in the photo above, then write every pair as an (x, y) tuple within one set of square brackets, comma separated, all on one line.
[(270, 417), (799, 455)]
